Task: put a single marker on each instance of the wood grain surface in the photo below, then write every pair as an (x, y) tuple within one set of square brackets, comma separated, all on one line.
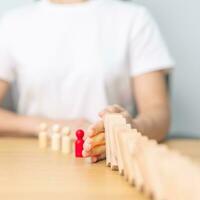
[(27, 173)]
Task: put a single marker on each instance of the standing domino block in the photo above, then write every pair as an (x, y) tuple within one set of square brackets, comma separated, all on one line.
[(43, 136), (66, 141), (79, 143), (55, 138)]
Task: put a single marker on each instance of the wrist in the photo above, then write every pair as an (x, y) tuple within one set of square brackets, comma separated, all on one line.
[(29, 125)]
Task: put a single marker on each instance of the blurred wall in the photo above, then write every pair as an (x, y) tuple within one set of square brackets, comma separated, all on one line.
[(179, 22), (7, 4)]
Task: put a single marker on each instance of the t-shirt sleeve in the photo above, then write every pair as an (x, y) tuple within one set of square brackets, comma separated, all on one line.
[(148, 51), (6, 59)]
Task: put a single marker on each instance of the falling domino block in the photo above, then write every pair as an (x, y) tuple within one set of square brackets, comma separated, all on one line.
[(123, 138), (138, 143), (107, 127), (181, 179), (109, 120), (148, 161), (188, 180), (165, 169), (160, 172), (114, 143), (118, 129), (134, 174), (129, 172)]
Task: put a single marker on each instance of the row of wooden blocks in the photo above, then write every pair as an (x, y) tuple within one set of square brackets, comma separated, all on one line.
[(154, 169), (55, 137)]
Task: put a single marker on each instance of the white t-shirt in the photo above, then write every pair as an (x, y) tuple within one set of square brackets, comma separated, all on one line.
[(72, 60)]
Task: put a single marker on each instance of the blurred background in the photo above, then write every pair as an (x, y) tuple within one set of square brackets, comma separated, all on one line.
[(179, 23)]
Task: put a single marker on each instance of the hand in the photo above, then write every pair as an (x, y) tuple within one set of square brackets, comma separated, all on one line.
[(94, 145), (117, 109)]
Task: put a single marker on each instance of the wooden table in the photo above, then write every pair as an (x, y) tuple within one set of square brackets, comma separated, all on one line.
[(27, 173)]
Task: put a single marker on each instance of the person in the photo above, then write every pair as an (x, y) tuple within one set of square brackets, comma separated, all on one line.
[(69, 59)]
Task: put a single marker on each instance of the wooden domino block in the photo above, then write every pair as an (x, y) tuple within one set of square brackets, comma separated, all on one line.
[(159, 172), (135, 150), (125, 138), (134, 175), (191, 180), (149, 160), (128, 139), (168, 178), (120, 129), (114, 156), (180, 176), (109, 121)]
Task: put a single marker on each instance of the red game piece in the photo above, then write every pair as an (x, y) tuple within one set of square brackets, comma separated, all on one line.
[(79, 143)]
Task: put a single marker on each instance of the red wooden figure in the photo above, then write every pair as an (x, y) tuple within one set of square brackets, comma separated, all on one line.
[(79, 143)]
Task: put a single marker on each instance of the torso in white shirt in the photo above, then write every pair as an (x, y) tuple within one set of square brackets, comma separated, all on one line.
[(71, 61)]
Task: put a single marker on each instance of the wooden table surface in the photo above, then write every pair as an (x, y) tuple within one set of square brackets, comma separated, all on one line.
[(27, 173)]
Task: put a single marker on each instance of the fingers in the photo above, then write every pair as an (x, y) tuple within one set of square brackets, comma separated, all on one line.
[(98, 127), (101, 157), (111, 109), (98, 150), (92, 142), (95, 129), (98, 158)]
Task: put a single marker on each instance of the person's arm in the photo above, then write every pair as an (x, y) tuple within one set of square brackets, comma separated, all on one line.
[(152, 102), (12, 124), (153, 117)]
